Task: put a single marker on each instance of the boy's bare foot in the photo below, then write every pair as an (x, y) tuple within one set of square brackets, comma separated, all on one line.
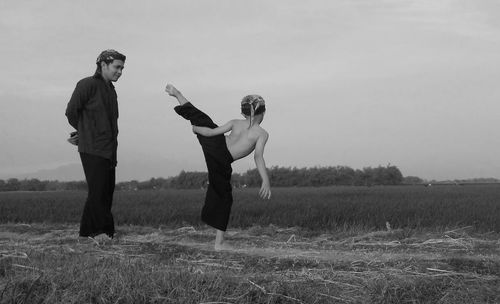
[(172, 91), (101, 239), (86, 240), (224, 247)]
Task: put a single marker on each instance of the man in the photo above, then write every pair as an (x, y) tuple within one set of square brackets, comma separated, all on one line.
[(93, 112)]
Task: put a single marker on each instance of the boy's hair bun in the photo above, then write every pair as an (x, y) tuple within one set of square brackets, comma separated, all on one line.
[(253, 103)]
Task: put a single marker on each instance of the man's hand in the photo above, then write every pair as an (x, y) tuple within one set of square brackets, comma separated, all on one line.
[(73, 139), (171, 90), (265, 191)]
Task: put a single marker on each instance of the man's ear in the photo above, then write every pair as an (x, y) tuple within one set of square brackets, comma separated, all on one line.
[(103, 64)]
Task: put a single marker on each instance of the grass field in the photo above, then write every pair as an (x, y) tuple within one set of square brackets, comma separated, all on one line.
[(306, 245), (315, 209)]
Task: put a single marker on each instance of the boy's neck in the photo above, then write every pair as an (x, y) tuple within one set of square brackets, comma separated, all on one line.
[(257, 120)]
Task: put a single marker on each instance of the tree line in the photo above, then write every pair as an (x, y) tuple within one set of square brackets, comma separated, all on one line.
[(33, 184), (280, 177)]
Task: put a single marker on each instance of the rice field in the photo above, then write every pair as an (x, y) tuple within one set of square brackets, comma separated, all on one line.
[(314, 209)]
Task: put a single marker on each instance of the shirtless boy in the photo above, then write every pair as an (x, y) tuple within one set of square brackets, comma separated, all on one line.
[(246, 135)]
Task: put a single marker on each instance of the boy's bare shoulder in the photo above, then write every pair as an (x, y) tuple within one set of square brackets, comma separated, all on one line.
[(262, 132)]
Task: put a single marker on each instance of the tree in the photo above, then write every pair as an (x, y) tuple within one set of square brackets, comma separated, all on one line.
[(32, 185), (13, 184), (412, 180)]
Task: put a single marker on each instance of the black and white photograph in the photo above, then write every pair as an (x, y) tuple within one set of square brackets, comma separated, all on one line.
[(250, 152)]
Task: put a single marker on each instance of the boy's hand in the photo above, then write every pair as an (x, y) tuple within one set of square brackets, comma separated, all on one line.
[(265, 191), (171, 90)]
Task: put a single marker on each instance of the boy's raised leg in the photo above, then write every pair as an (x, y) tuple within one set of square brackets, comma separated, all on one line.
[(189, 111)]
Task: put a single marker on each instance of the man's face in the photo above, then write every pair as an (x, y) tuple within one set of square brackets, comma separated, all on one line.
[(112, 71)]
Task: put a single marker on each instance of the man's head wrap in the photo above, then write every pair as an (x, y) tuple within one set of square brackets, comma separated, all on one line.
[(252, 105), (110, 55)]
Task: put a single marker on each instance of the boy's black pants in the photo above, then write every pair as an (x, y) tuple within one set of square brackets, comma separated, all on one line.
[(219, 197), (100, 176)]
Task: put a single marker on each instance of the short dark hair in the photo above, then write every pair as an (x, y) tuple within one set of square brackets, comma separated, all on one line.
[(108, 56)]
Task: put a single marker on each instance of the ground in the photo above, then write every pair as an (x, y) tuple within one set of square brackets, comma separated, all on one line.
[(48, 263)]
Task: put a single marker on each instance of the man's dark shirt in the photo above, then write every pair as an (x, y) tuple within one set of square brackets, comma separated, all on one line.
[(93, 112)]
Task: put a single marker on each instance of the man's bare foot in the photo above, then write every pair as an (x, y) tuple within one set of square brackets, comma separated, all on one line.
[(224, 247)]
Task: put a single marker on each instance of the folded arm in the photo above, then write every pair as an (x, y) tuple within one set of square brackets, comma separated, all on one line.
[(208, 132), (78, 100)]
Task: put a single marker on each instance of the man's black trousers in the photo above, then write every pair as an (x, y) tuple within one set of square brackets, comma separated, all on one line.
[(100, 176)]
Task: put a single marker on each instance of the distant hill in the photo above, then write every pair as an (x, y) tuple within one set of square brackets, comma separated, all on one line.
[(70, 172), (126, 171)]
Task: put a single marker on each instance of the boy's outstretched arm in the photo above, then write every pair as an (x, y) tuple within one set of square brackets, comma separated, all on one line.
[(265, 189), (204, 131)]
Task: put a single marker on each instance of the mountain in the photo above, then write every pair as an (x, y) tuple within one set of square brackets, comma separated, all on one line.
[(69, 172), (127, 170)]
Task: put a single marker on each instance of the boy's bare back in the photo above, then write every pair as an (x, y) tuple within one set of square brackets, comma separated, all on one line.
[(242, 140)]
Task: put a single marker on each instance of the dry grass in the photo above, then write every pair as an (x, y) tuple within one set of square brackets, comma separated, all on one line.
[(42, 263)]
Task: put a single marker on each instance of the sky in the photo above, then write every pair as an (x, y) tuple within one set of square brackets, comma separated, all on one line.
[(357, 83)]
